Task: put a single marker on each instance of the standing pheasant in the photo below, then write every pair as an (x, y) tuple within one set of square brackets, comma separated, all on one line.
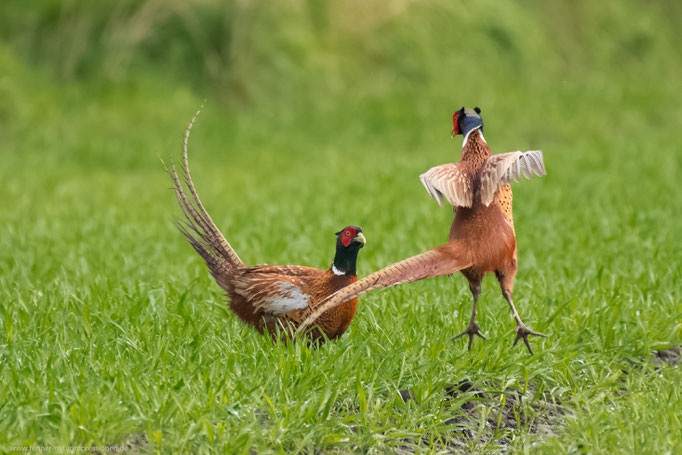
[(482, 237), (276, 298)]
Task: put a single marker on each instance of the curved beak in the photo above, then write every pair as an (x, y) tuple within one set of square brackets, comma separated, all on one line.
[(360, 238)]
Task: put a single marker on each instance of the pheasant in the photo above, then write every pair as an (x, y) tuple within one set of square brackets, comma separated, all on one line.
[(482, 237), (276, 298)]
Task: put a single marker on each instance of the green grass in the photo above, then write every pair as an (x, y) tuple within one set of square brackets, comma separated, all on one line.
[(111, 329)]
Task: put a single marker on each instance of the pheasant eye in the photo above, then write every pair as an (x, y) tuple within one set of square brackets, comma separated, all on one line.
[(347, 233)]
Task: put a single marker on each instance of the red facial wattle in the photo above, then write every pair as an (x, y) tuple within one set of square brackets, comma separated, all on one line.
[(455, 130), (347, 236)]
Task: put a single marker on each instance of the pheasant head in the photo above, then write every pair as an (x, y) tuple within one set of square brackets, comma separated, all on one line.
[(464, 121), (349, 240)]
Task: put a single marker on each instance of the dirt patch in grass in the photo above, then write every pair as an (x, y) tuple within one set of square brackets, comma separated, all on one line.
[(486, 417), (133, 444), (668, 356), (659, 359), (136, 443)]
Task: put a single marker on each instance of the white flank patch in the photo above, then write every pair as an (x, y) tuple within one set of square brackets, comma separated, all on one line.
[(290, 298), (337, 272)]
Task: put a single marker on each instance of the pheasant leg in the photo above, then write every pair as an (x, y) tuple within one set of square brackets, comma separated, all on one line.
[(473, 328), (521, 330)]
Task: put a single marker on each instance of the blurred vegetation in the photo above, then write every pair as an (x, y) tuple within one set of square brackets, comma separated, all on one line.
[(387, 73), (320, 114), (316, 55)]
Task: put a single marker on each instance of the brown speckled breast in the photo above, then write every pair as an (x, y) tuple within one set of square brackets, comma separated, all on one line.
[(475, 152)]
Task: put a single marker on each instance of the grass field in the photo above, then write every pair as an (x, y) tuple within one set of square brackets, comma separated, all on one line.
[(320, 115)]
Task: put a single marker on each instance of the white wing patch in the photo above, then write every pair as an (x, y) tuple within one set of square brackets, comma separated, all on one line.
[(287, 297)]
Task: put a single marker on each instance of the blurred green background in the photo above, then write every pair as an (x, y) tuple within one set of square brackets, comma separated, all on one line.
[(321, 114)]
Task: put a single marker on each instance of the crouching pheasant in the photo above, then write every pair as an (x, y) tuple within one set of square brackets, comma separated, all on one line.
[(482, 238), (276, 298)]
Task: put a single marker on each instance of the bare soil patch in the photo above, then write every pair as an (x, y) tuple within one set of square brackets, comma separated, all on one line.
[(485, 417)]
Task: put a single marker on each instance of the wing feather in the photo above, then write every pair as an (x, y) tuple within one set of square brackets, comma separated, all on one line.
[(500, 170), (449, 181), (435, 194), (274, 289)]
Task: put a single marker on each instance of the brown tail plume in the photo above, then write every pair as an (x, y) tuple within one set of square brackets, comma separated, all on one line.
[(443, 260), (199, 228)]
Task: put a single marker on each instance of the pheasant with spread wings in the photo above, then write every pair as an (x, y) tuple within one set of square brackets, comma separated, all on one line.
[(482, 238), (276, 298)]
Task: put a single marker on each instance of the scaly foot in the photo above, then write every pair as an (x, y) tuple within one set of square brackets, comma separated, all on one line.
[(472, 330), (522, 332)]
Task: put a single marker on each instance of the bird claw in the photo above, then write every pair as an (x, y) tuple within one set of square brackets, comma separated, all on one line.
[(522, 332), (472, 330)]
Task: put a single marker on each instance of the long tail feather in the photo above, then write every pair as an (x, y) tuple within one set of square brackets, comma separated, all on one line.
[(207, 239), (223, 246), (443, 260), (216, 265)]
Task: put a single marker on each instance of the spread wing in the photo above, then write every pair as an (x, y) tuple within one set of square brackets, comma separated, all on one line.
[(274, 289), (451, 181), (442, 260), (500, 170)]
